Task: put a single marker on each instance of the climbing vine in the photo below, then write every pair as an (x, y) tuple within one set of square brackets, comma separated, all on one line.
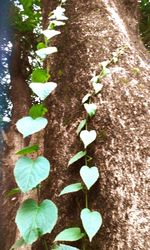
[(91, 219), (35, 219)]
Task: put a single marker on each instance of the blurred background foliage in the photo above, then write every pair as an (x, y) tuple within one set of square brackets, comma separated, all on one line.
[(144, 25)]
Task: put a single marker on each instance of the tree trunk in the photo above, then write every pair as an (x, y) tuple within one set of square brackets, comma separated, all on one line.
[(94, 30)]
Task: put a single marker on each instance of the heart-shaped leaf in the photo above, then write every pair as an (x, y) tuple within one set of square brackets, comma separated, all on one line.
[(50, 33), (28, 150), (28, 126), (64, 247), (72, 188), (81, 126), (87, 137), (97, 87), (70, 234), (42, 53), (89, 175), (29, 173), (42, 90), (76, 157), (91, 221), (34, 220), (90, 108)]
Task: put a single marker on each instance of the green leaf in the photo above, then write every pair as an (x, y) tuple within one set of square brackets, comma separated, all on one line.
[(81, 126), (35, 220), (64, 247), (40, 75), (105, 71), (71, 188), (26, 3), (29, 173), (91, 221), (13, 191), (87, 137), (70, 234), (37, 110), (90, 108), (28, 150), (89, 175), (76, 157), (19, 243), (43, 90), (41, 46), (28, 126)]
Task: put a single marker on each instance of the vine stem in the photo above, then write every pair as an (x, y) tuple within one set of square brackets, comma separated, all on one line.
[(86, 192), (86, 199)]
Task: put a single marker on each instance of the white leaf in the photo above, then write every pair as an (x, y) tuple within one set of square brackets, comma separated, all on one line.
[(87, 137), (89, 175), (42, 53), (97, 87), (50, 33), (57, 23), (92, 221), (86, 98), (42, 90), (58, 14), (95, 79), (90, 108), (28, 126)]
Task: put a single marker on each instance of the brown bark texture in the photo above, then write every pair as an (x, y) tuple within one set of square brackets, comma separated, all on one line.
[(94, 30)]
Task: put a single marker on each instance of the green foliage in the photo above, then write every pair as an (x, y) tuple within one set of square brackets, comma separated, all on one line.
[(19, 243), (81, 126), (40, 45), (13, 191), (77, 157), (37, 110), (28, 150), (145, 22), (27, 18), (72, 188), (35, 220), (91, 221), (40, 75), (70, 234), (29, 173)]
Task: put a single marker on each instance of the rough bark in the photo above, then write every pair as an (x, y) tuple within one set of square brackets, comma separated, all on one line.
[(94, 30)]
